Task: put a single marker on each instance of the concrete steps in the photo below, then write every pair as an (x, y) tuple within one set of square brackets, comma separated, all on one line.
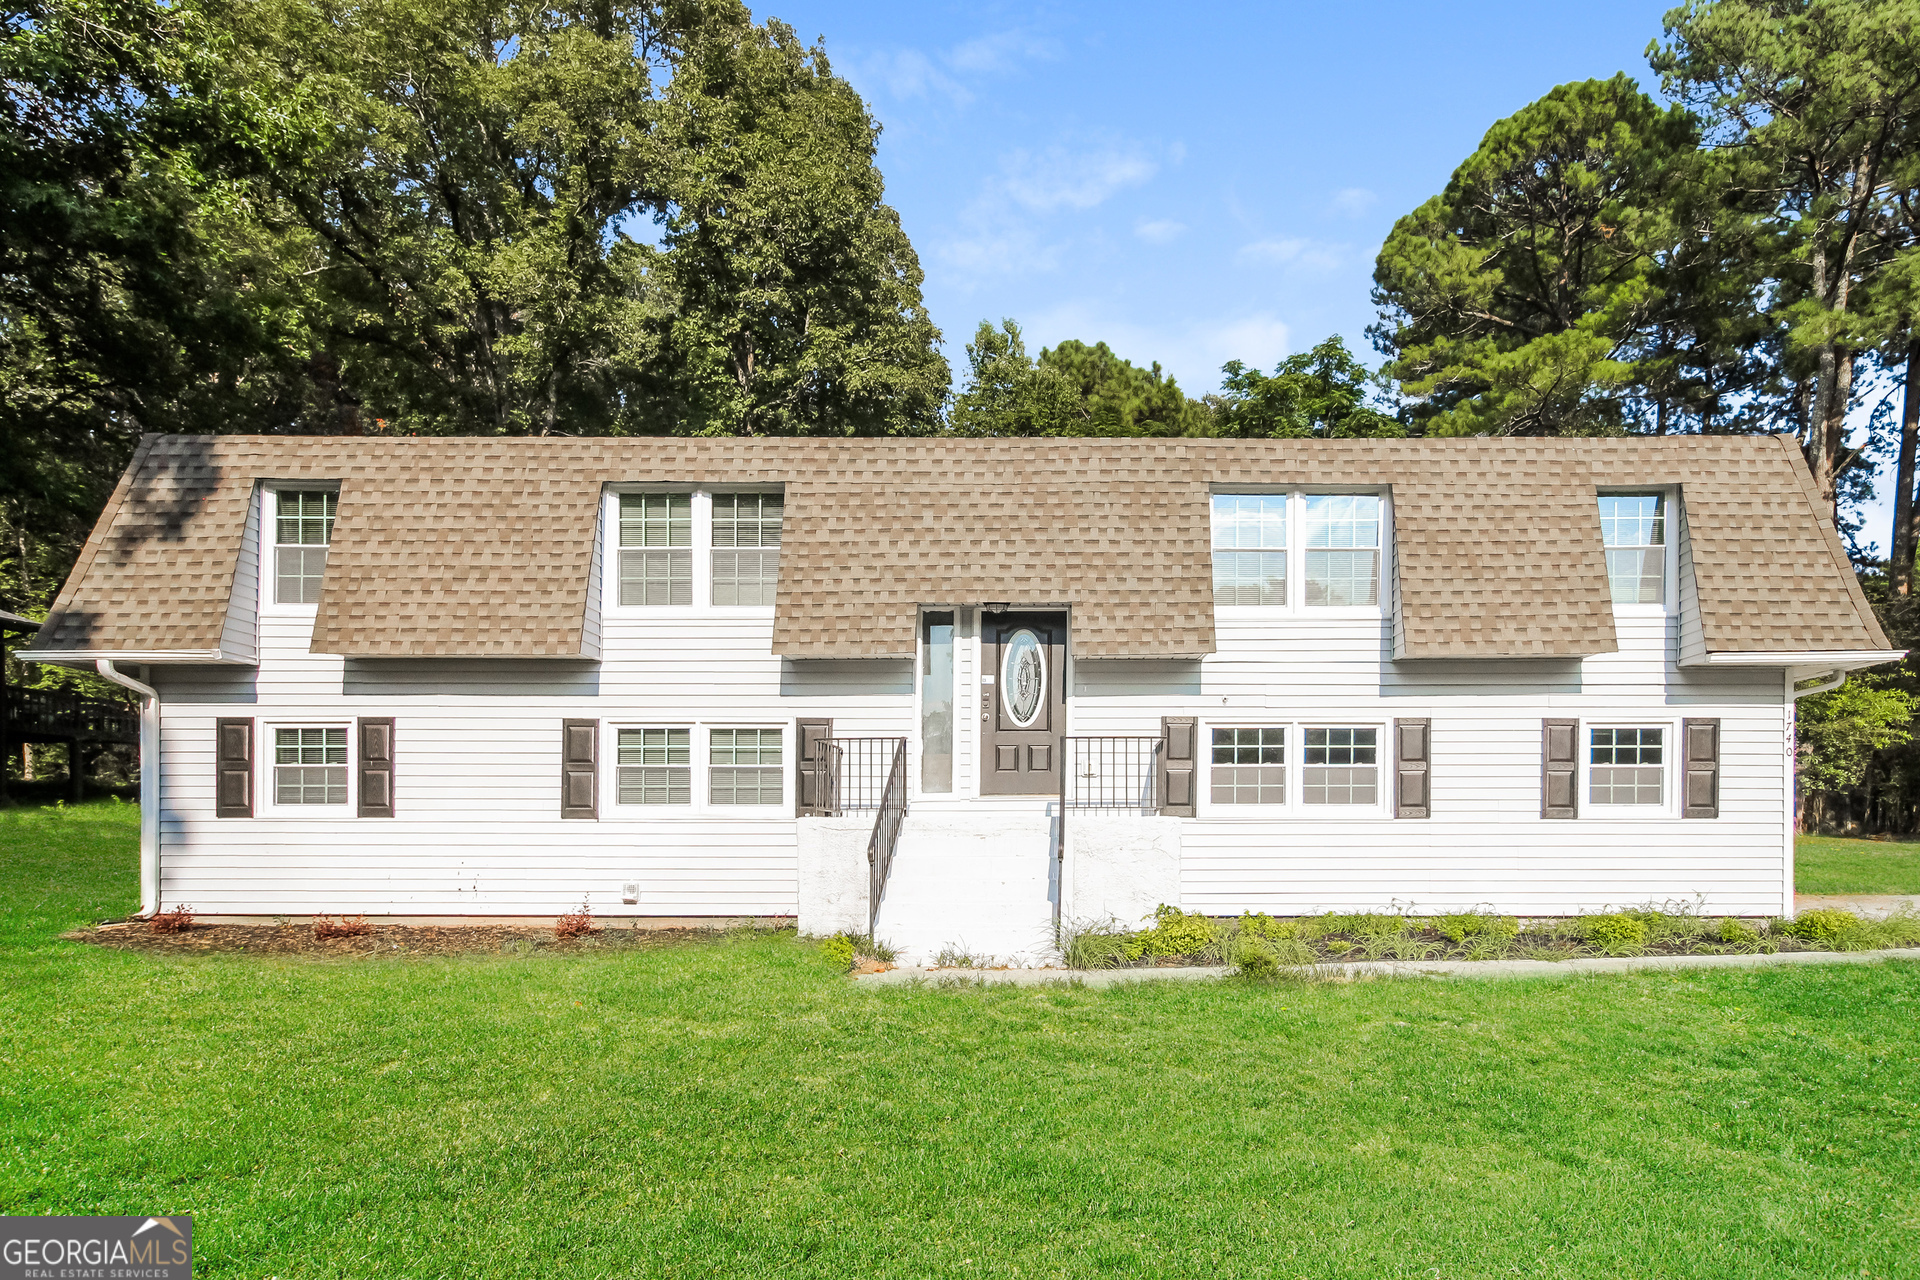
[(976, 880)]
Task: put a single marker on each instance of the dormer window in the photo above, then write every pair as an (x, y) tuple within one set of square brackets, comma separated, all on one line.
[(1343, 549), (1633, 528), (1298, 550), (1250, 548), (303, 529), (656, 548), (746, 547)]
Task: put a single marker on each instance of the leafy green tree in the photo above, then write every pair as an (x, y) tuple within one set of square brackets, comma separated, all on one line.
[(1513, 302), (1071, 390), (1839, 731), (1818, 96), (1321, 392)]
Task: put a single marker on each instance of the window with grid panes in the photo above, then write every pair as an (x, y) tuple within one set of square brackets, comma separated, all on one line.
[(656, 548), (746, 547), (1627, 766), (744, 766), (1249, 766), (1343, 549), (654, 766), (302, 530), (1633, 528), (1250, 548), (1341, 767), (310, 766)]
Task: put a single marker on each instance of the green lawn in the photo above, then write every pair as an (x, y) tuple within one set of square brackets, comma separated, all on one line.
[(737, 1109), (1831, 864)]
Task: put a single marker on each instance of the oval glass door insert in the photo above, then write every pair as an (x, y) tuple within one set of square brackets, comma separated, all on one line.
[(1023, 678)]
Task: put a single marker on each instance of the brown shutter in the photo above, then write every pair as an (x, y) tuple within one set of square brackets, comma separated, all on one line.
[(1702, 741), (1559, 768), (810, 765), (579, 768), (233, 769), (1177, 752), (376, 768), (1413, 752)]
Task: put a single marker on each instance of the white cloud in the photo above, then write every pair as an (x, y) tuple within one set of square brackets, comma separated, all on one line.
[(998, 53), (1290, 251), (1191, 350), (1060, 179), (1352, 202), (907, 74), (1159, 230), (1000, 228)]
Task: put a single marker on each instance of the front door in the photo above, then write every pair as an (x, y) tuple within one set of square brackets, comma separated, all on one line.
[(1023, 711)]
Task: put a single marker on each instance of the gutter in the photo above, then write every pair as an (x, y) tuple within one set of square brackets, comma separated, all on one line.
[(1832, 680), (149, 782)]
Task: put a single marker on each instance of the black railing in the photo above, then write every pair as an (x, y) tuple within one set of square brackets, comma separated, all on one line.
[(860, 772), (886, 832), (1117, 774), (37, 714)]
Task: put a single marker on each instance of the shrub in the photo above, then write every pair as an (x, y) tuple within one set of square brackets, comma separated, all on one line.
[(839, 950), (1616, 933), (1457, 929), (357, 927), (1261, 925), (1257, 956), (1736, 932), (1175, 933), (1901, 929), (1834, 930), (178, 920), (1101, 944), (575, 924)]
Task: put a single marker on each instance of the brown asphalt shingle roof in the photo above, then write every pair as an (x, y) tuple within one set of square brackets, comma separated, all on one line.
[(482, 547)]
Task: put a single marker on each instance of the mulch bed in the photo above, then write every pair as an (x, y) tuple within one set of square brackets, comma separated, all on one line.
[(385, 940)]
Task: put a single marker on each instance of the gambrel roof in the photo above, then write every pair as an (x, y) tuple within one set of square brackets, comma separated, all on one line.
[(455, 547)]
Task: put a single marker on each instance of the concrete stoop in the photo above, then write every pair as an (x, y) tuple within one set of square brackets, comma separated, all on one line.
[(971, 883)]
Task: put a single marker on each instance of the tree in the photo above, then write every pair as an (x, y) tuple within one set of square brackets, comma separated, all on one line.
[(1321, 392), (1839, 731), (1071, 390), (1819, 94), (1517, 300)]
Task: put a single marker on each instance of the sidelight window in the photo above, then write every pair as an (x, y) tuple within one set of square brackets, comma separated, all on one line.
[(302, 531), (656, 549), (1633, 528)]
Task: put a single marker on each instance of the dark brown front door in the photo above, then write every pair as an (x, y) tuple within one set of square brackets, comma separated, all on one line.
[(1024, 710)]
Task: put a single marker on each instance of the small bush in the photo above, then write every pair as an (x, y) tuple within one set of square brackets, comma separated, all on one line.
[(1901, 929), (1618, 933), (1736, 933), (178, 920), (356, 927), (1834, 930), (1257, 956), (839, 950), (1261, 925), (1476, 925), (575, 924), (1101, 944), (1175, 933)]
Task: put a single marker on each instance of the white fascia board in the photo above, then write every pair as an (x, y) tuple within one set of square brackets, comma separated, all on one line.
[(87, 657), (1810, 659)]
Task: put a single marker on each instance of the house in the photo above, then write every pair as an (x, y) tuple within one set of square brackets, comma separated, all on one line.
[(958, 689)]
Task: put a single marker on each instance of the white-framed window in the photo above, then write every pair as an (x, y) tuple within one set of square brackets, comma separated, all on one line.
[(1249, 764), (308, 765), (301, 524), (1250, 548), (1633, 530), (746, 766), (746, 547), (1298, 768), (1298, 550), (656, 548), (1626, 768), (654, 766)]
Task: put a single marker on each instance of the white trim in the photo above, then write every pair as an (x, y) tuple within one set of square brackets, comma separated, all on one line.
[(699, 771), (88, 657), (149, 783), (1296, 552), (266, 792), (269, 548), (1824, 659), (1670, 746), (1295, 808), (699, 549)]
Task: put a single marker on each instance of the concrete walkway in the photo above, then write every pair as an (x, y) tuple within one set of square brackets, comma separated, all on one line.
[(1382, 969), (1868, 906)]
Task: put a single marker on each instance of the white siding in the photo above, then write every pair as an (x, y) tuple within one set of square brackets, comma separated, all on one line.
[(478, 830)]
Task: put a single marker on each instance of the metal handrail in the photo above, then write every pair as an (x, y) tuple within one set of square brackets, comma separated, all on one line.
[(859, 771), (886, 833), (1112, 772)]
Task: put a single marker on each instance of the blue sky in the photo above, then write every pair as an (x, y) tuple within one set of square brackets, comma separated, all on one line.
[(1189, 185)]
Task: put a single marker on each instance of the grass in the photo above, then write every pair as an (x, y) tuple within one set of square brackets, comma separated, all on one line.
[(738, 1108), (1834, 864)]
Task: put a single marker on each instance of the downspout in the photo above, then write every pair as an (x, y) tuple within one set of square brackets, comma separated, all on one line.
[(1832, 680), (149, 782)]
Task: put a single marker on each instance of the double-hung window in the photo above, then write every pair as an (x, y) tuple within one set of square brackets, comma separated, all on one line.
[(310, 765), (1343, 549), (655, 766), (746, 547), (1633, 528), (1250, 765), (1342, 767), (745, 766), (1250, 548), (656, 549), (1626, 766), (302, 530)]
